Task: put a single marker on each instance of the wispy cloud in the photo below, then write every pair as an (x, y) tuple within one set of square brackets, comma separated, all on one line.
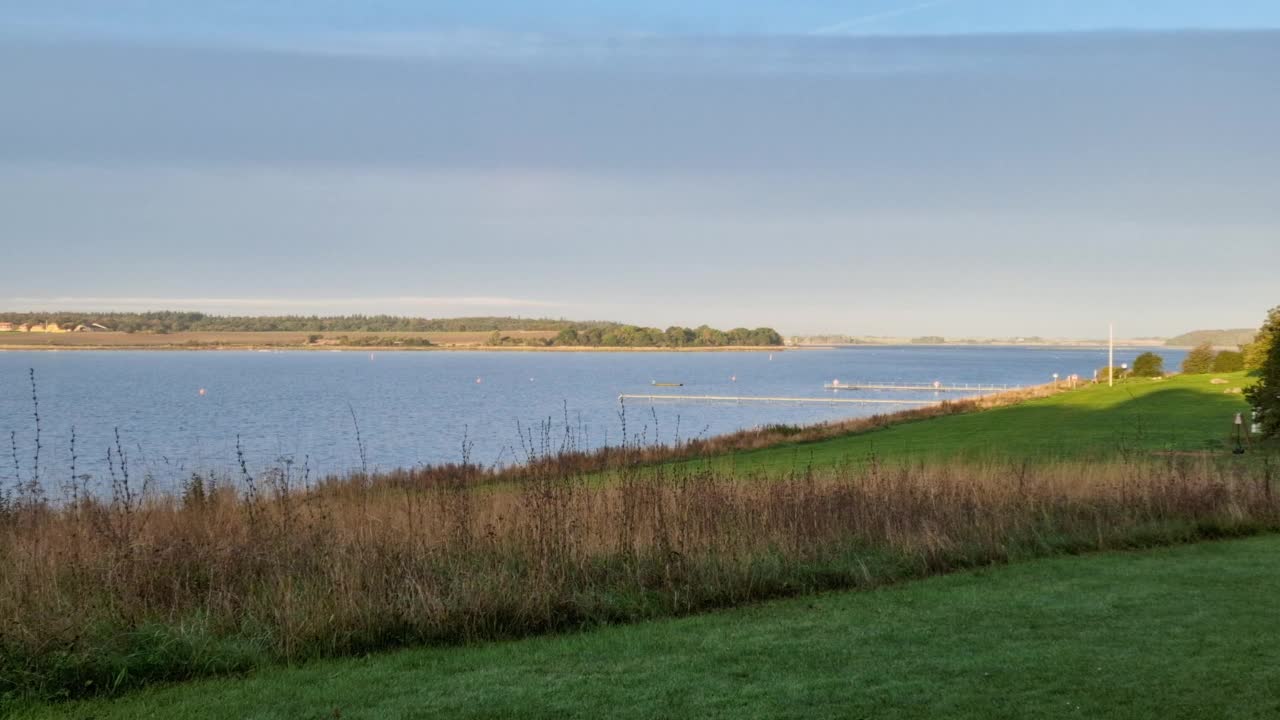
[(398, 304), (873, 18)]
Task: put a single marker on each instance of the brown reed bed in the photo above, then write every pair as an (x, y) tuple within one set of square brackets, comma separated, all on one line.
[(106, 593)]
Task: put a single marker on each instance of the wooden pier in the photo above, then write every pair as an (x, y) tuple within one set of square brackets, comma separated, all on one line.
[(920, 388), (736, 398)]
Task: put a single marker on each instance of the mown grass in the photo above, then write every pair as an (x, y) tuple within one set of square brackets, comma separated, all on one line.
[(1183, 413), (1187, 632)]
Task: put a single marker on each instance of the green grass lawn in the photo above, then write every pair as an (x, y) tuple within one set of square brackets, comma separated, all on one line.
[(1186, 632), (1181, 413)]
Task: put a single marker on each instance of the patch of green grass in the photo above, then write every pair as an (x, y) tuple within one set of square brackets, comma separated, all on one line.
[(1186, 632), (1139, 416)]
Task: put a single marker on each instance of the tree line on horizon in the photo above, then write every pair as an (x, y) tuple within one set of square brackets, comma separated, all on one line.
[(615, 335), (171, 321), (570, 333)]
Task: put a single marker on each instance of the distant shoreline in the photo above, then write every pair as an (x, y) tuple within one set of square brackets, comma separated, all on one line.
[(1066, 345), (440, 342), (292, 340), (382, 348), (551, 349)]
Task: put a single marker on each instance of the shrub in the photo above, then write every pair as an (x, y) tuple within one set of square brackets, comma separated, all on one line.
[(1228, 361), (1199, 361), (1148, 364), (1117, 372)]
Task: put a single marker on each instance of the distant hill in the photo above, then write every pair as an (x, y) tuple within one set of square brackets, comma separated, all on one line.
[(1217, 338)]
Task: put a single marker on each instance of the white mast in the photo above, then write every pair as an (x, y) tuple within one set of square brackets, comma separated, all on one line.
[(1111, 355)]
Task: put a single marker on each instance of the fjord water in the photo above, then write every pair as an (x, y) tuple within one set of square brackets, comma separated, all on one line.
[(417, 407)]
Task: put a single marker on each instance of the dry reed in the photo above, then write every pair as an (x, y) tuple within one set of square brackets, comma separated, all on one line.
[(105, 593)]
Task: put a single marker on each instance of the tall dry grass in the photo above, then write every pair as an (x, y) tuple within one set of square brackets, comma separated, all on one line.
[(105, 593)]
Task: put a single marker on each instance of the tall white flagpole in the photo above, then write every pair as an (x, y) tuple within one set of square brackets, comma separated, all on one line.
[(1111, 355)]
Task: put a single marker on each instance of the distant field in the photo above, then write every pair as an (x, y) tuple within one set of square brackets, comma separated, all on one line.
[(1185, 632), (243, 339)]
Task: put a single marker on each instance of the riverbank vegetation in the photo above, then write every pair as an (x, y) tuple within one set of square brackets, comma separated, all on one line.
[(112, 590), (107, 594)]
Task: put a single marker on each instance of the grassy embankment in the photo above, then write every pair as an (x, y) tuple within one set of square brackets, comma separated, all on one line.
[(109, 596), (1184, 632), (1184, 414)]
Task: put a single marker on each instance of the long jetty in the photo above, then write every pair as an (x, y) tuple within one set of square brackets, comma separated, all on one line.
[(921, 388), (751, 398)]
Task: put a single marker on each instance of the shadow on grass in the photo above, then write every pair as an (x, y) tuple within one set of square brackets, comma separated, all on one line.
[(1179, 420)]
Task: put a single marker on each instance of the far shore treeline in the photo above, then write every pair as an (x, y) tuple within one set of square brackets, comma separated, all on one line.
[(568, 332)]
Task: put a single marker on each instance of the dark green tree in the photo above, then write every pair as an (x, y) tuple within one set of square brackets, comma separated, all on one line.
[(1148, 364), (1228, 361), (1255, 353), (1199, 361), (1265, 394), (1116, 373)]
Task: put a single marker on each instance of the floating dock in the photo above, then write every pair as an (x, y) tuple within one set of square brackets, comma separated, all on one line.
[(920, 388), (737, 398)]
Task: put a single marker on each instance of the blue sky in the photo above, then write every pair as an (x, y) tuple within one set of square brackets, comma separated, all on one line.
[(973, 167), (282, 17)]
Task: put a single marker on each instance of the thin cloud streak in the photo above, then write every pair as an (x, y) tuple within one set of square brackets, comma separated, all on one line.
[(865, 20)]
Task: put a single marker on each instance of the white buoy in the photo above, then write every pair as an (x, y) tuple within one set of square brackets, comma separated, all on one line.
[(201, 392), (479, 380)]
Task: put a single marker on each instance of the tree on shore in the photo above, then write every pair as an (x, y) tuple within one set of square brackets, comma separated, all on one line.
[(1255, 353), (1148, 364), (1265, 394), (1114, 372), (1199, 361), (1228, 361)]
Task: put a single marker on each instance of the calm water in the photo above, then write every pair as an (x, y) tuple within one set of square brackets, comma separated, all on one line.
[(414, 407)]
